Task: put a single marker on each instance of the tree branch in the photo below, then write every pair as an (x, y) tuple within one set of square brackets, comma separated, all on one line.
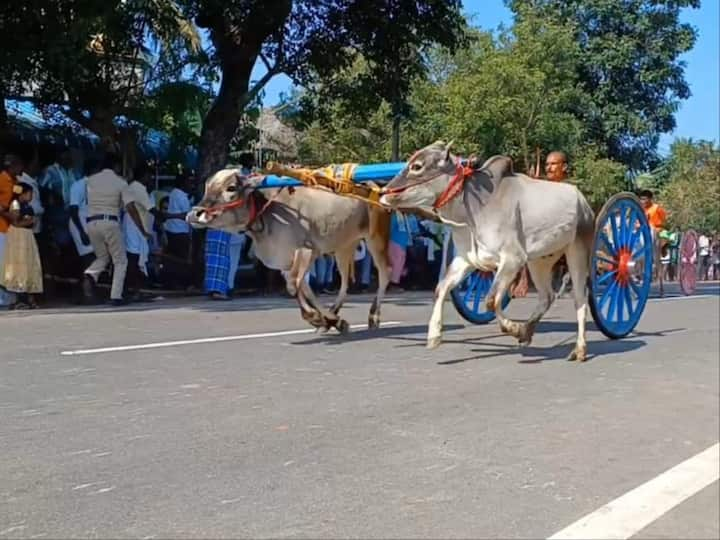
[(258, 86)]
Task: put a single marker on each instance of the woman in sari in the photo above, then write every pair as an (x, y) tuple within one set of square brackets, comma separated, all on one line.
[(21, 271)]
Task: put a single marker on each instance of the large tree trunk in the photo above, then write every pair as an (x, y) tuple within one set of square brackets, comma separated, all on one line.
[(396, 138), (238, 47), (222, 119)]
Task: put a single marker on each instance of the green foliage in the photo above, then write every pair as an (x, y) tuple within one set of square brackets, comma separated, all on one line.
[(91, 61), (691, 190), (629, 67), (598, 178), (337, 138), (511, 96)]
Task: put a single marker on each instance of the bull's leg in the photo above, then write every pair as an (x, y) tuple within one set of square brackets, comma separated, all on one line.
[(345, 261), (455, 273), (378, 247), (578, 259), (295, 281), (324, 319), (541, 271), (510, 265)]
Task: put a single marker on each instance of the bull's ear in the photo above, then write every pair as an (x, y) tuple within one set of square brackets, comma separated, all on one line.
[(248, 181), (447, 150)]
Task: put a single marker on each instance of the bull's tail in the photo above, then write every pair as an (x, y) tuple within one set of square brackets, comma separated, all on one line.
[(586, 233)]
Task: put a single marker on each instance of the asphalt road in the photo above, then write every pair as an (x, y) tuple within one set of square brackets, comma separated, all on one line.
[(365, 436)]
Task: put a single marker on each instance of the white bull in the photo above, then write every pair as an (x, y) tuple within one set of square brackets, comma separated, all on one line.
[(291, 228), (501, 221)]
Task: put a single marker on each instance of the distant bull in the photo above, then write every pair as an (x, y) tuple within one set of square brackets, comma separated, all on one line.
[(501, 221), (292, 227)]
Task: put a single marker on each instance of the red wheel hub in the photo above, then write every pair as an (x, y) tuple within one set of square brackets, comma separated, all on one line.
[(623, 266)]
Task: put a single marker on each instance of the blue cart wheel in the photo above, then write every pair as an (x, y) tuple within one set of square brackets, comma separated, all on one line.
[(621, 266), (469, 296)]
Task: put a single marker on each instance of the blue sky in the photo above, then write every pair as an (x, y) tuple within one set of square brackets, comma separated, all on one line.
[(698, 117)]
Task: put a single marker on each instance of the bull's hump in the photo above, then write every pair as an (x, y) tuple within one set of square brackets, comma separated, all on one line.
[(498, 166)]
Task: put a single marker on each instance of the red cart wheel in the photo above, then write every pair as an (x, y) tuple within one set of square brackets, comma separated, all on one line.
[(687, 259)]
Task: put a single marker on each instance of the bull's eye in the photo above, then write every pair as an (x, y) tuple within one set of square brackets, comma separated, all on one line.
[(416, 166), (231, 189)]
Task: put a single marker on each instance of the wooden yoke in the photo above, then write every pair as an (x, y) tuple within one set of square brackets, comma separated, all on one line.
[(337, 178)]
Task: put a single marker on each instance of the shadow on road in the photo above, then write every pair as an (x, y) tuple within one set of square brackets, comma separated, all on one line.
[(560, 351), (391, 332)]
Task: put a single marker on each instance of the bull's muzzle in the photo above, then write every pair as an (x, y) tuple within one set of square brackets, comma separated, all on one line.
[(198, 215)]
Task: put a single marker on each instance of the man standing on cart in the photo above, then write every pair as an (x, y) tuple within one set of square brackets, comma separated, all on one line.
[(556, 168), (656, 217)]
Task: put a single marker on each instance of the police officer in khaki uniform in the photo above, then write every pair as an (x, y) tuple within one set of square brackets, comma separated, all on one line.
[(107, 195)]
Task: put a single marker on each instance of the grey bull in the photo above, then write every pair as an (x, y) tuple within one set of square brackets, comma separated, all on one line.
[(292, 227), (501, 221)]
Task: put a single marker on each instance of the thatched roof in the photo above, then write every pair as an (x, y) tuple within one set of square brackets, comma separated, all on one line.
[(275, 135)]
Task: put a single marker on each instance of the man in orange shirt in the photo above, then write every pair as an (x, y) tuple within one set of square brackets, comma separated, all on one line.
[(13, 167), (655, 213)]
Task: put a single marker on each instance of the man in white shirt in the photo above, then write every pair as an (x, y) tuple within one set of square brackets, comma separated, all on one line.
[(703, 256), (177, 230), (136, 243), (78, 215)]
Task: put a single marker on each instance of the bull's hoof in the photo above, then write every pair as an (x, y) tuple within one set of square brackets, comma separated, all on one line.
[(434, 342), (578, 354), (373, 322), (525, 334), (342, 326)]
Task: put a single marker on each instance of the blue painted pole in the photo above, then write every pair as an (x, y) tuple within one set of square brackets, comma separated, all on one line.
[(378, 172)]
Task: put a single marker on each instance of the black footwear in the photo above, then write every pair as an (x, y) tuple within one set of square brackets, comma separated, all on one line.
[(117, 302)]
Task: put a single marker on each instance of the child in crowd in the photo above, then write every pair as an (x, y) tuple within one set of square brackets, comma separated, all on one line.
[(21, 271)]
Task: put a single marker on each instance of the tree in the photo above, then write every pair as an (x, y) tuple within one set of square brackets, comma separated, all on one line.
[(630, 68), (691, 189), (92, 62), (517, 93), (598, 178), (305, 39)]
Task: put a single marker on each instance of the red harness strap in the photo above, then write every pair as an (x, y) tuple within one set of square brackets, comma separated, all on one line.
[(455, 185), (255, 213)]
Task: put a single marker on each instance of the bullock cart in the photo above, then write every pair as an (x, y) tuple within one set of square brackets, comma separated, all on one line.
[(621, 267)]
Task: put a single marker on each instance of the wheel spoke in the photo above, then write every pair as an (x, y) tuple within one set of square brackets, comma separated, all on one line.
[(606, 260), (605, 277), (614, 231), (628, 300), (635, 288), (470, 286), (614, 302), (605, 240), (623, 227), (608, 292), (638, 253), (478, 287), (635, 232)]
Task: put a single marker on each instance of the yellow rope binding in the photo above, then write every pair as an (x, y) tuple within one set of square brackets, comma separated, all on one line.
[(337, 178)]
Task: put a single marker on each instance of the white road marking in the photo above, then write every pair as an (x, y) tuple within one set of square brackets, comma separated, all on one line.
[(636, 509), (208, 340), (691, 297)]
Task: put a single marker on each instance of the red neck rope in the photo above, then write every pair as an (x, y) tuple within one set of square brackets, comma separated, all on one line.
[(454, 187)]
